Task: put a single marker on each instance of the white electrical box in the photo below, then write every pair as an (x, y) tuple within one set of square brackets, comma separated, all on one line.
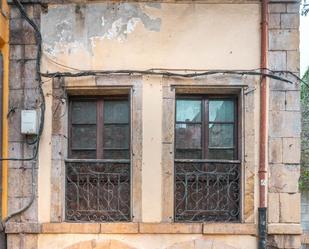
[(29, 122)]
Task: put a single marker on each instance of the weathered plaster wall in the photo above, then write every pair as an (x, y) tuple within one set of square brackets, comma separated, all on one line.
[(145, 35)]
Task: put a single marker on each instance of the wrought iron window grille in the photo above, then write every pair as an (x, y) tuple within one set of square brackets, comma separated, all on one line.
[(97, 190)]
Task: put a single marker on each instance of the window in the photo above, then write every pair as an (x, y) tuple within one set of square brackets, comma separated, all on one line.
[(207, 171), (98, 168)]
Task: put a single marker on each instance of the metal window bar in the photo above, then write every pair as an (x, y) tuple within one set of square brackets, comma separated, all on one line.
[(97, 190), (207, 191)]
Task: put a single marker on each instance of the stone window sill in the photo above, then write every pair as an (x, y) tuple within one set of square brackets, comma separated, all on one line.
[(150, 228), (132, 228)]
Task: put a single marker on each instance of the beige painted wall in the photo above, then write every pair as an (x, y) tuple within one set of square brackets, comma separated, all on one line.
[(158, 241)]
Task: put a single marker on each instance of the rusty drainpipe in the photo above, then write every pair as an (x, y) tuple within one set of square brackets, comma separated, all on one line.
[(263, 130)]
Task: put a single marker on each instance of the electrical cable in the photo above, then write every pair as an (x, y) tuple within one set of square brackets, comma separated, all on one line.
[(164, 73)]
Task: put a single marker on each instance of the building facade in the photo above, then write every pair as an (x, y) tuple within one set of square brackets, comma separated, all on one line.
[(147, 125)]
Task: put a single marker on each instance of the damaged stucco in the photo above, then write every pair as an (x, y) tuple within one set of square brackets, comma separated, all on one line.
[(81, 24), (152, 35)]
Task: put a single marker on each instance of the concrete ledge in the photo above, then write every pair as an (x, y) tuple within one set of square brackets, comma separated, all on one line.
[(170, 228), (234, 229), (293, 229), (15, 227)]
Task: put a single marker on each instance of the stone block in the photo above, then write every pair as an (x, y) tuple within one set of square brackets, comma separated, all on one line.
[(289, 208), (170, 228), (283, 178), (15, 76), (290, 21), (14, 127), (17, 52), (79, 228), (230, 228), (57, 189), (284, 39), (13, 241), (168, 120), (31, 214), (119, 228), (14, 227), (279, 85), (284, 241), (30, 52), (284, 229), (275, 150), (291, 150), (14, 181), (16, 34), (284, 124), (277, 100), (277, 60), (293, 100), (293, 7), (277, 8), (293, 61), (273, 208), (274, 21)]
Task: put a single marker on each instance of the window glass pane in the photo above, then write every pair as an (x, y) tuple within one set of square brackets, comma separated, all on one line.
[(221, 110), (116, 136), (188, 154), (84, 112), (116, 154), (116, 111), (188, 110), (188, 136), (221, 135), (84, 137), (221, 154)]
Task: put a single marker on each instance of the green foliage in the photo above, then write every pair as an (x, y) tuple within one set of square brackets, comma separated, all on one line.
[(304, 178)]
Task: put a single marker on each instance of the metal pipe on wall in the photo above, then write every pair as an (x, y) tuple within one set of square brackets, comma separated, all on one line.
[(263, 130)]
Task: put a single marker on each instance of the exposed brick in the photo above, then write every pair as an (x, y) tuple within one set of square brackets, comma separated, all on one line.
[(277, 60), (283, 178), (291, 150), (289, 208), (284, 39), (273, 207), (289, 21), (275, 150)]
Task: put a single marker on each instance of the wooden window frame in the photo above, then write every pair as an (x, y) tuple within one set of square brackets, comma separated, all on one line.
[(205, 122), (99, 122)]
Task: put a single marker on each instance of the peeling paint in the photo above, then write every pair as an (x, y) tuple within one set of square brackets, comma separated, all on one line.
[(82, 23)]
